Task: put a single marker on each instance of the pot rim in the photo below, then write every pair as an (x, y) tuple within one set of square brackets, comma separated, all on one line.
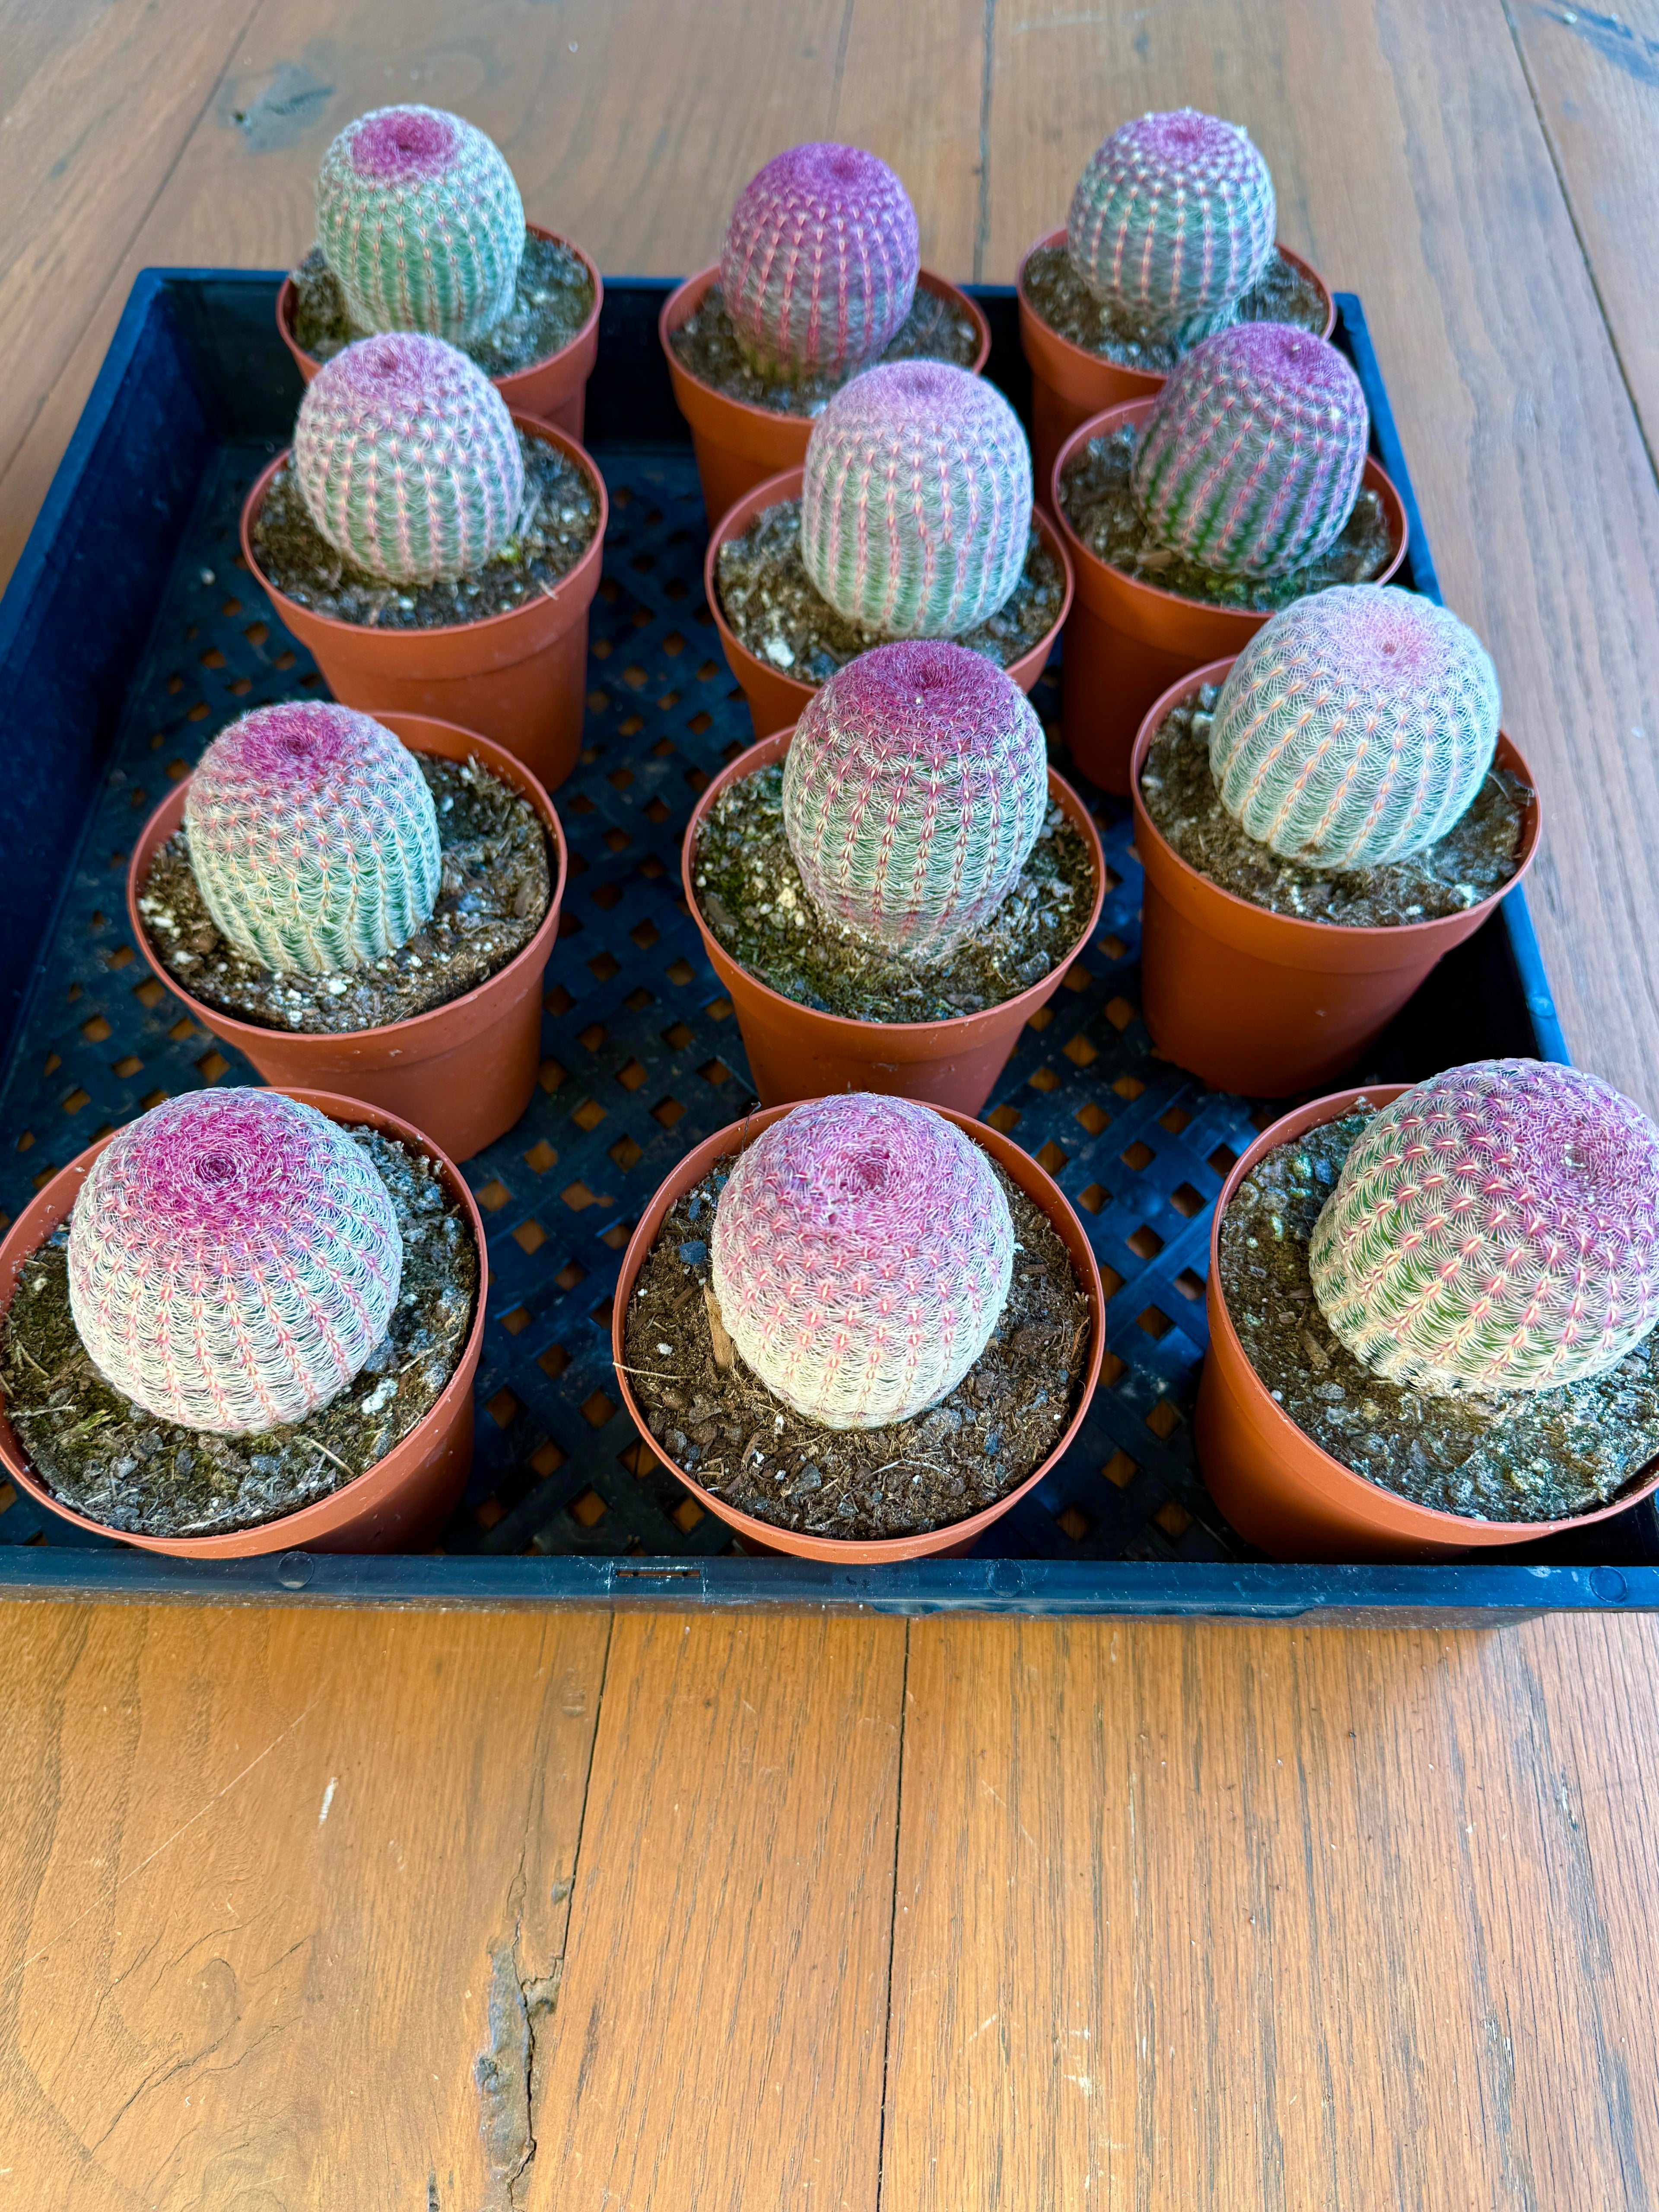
[(1127, 368)]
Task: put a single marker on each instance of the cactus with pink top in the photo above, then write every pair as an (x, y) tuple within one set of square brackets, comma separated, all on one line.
[(1495, 1229), (233, 1259), (861, 1254)]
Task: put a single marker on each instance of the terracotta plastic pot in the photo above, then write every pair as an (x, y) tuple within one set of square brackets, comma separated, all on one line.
[(738, 444), (1268, 1004), (398, 1504), (956, 1537), (1069, 383), (1127, 641), (519, 678), (1276, 1487), (775, 699), (799, 1052), (461, 1072), (553, 390)]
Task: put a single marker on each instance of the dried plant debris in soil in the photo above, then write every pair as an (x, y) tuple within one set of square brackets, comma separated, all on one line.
[(124, 1468), (497, 879), (706, 346), (779, 613), (1477, 856), (560, 514), (1100, 506), (1534, 1455), (1061, 299), (723, 1426), (553, 299), (753, 899)]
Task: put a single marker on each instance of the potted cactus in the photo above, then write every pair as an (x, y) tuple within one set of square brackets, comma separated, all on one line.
[(1169, 238), (889, 891), (420, 226), (820, 1324), (818, 277), (361, 907), (1321, 821), (435, 557), (247, 1321), (1430, 1317), (912, 518)]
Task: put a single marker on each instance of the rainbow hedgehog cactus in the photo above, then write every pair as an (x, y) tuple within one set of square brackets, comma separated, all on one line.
[(234, 1259), (819, 265), (861, 1255), (913, 790), (1495, 1229)]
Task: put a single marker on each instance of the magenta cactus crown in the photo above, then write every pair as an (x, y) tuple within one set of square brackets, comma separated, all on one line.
[(926, 699), (396, 145), (398, 376), (299, 742)]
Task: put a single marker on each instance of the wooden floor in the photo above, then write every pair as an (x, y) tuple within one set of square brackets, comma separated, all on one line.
[(458, 1913)]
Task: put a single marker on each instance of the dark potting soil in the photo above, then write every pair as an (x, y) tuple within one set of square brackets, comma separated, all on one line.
[(1100, 506), (1477, 856), (723, 1425), (706, 346), (562, 512), (1532, 1455), (779, 613), (121, 1467), (497, 879), (1062, 300), (754, 900), (553, 299)]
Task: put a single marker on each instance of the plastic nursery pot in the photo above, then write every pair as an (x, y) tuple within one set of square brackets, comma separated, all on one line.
[(1268, 1004), (398, 1504), (956, 1537), (517, 678), (1128, 642), (797, 1052), (774, 698), (552, 391), (1276, 1487), (738, 444)]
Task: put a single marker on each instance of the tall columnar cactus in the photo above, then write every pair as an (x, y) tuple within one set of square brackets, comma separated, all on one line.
[(1495, 1229), (914, 789), (916, 505), (1355, 728), (234, 1259), (1172, 219), (861, 1254), (313, 837), (1250, 457), (419, 218), (819, 265), (408, 460)]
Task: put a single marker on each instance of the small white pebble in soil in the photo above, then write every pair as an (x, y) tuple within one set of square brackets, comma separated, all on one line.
[(666, 1350)]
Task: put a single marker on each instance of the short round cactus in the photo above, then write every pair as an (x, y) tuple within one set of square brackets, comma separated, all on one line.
[(419, 218), (1172, 220), (313, 837), (914, 789), (407, 460), (1251, 455), (1495, 1229), (862, 1252), (916, 507), (234, 1259), (819, 265), (1355, 728)]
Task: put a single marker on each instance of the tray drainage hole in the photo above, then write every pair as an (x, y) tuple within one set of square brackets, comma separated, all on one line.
[(1120, 1470)]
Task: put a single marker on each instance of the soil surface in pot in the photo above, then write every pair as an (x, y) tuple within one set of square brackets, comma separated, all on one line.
[(722, 1424), (1100, 506), (122, 1467), (554, 297), (497, 881), (1477, 856), (778, 612), (753, 899), (1062, 300), (706, 347), (1534, 1455), (560, 514)]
